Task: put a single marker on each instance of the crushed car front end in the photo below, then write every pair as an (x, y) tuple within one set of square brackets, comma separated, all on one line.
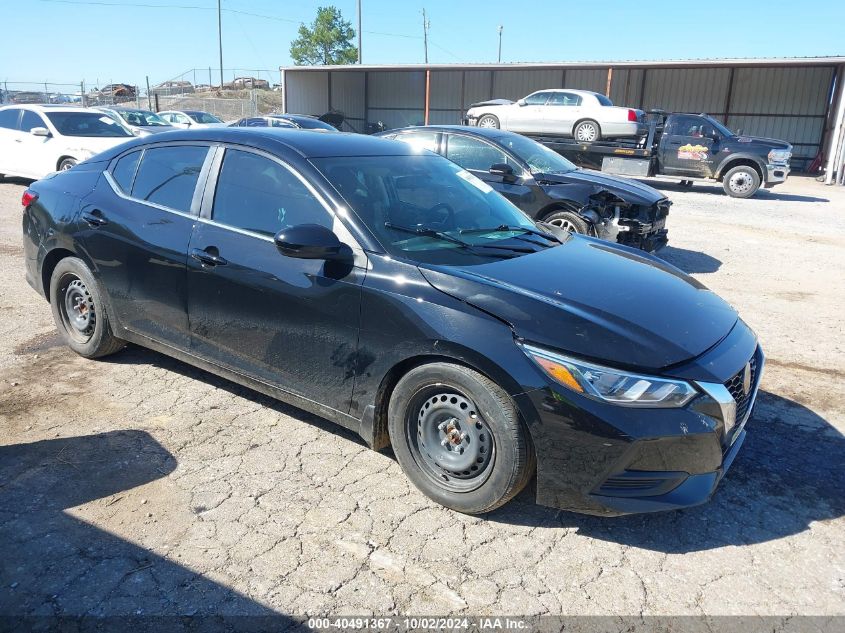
[(641, 226)]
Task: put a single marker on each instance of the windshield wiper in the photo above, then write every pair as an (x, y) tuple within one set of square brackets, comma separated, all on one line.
[(508, 227), (429, 232)]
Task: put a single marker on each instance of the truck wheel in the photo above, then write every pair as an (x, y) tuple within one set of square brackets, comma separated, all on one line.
[(459, 438), (568, 221), (488, 120), (587, 131), (742, 181)]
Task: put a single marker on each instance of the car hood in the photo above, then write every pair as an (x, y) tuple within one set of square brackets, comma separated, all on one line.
[(631, 191), (94, 144), (595, 300), (760, 141), (153, 129), (491, 102)]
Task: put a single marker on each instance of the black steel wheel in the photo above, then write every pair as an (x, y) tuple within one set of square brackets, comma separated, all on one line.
[(76, 306), (78, 310), (450, 442), (459, 438)]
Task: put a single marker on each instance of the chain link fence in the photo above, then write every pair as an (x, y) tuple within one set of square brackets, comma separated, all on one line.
[(21, 92)]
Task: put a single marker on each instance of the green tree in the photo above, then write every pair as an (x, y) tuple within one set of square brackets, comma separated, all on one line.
[(328, 41)]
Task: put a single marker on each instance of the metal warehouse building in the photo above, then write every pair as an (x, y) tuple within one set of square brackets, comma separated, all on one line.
[(791, 99)]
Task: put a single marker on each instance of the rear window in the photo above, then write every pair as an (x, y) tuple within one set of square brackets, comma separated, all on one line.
[(604, 100), (87, 124), (124, 171), (169, 175)]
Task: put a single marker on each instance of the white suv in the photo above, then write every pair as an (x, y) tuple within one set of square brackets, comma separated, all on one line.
[(38, 139)]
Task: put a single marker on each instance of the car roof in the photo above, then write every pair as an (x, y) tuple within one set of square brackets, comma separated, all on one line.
[(306, 143), (45, 107), (481, 132)]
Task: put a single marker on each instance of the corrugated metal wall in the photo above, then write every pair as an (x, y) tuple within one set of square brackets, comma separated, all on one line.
[(781, 102)]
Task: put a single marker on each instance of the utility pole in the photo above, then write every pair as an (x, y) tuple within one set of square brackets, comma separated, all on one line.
[(500, 43), (220, 39), (359, 32), (426, 26)]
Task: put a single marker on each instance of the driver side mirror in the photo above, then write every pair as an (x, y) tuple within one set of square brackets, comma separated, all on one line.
[(40, 131), (739, 132), (503, 170), (520, 102), (309, 241)]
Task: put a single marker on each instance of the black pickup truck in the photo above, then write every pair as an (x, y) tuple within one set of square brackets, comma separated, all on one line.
[(688, 147)]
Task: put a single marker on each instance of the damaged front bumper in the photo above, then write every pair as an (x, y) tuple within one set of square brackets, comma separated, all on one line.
[(637, 226)]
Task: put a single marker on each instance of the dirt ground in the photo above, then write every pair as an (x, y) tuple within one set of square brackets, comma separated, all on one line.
[(139, 485)]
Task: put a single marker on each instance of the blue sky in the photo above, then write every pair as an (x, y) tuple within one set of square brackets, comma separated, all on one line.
[(102, 41)]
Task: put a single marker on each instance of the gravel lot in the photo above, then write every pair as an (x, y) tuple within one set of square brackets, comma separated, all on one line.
[(138, 484)]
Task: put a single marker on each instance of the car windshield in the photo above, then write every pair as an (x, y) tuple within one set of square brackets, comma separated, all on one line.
[(204, 117), (540, 159), (427, 209), (86, 124), (142, 118)]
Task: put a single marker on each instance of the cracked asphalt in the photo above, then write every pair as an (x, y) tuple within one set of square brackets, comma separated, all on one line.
[(140, 485)]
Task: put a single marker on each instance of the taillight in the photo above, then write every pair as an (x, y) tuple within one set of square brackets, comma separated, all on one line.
[(28, 198), (632, 115)]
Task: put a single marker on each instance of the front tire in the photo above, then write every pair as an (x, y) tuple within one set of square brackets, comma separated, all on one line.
[(742, 181), (489, 121), (587, 131), (568, 221), (67, 163), (459, 438), (78, 310)]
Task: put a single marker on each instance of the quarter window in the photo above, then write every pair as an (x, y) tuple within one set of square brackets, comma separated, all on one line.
[(257, 194), (9, 118), (124, 171), (471, 153), (169, 175), (30, 120)]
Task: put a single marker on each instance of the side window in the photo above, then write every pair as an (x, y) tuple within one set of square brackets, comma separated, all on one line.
[(257, 194), (124, 171), (471, 153), (30, 120), (257, 122), (564, 99), (9, 118), (169, 175), (538, 98), (685, 125), (420, 140)]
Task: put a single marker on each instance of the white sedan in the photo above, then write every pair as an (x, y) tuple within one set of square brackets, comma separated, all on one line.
[(583, 115), (38, 139), (195, 119)]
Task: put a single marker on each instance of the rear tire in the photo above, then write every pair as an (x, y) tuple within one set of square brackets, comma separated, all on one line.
[(67, 163), (489, 121), (79, 312), (568, 221), (587, 131), (742, 181), (459, 438)]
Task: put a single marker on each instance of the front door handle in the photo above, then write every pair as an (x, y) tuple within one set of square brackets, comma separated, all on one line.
[(94, 218), (207, 259)]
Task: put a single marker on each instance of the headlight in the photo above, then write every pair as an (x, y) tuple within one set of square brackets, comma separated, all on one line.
[(780, 156), (612, 385)]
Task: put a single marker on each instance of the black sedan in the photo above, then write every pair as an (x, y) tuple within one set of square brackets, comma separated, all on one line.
[(396, 294), (548, 187), (298, 121)]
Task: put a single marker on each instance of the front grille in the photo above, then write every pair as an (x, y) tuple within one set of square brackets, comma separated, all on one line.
[(734, 386)]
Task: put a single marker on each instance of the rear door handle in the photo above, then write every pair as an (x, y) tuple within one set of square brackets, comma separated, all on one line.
[(94, 218), (207, 259)]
